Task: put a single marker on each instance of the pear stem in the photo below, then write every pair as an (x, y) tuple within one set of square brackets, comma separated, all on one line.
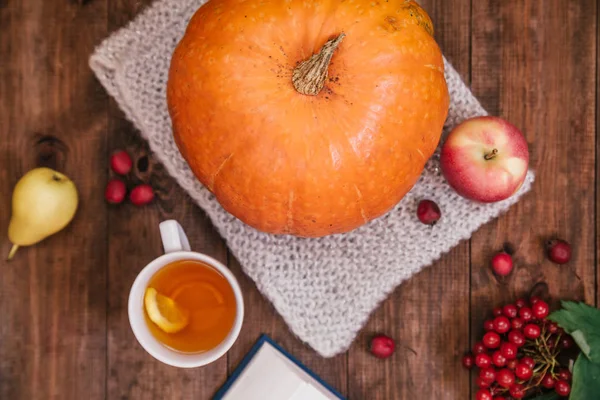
[(12, 252)]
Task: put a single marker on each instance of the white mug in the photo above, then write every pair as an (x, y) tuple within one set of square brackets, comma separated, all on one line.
[(177, 247)]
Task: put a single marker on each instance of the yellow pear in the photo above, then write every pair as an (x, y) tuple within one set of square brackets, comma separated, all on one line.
[(44, 202)]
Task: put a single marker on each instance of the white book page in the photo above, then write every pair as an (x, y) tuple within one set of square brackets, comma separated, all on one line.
[(308, 392), (271, 376)]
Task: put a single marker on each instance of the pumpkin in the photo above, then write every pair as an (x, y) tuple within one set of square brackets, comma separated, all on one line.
[(306, 117)]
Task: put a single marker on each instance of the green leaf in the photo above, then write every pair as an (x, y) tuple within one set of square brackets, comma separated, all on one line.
[(579, 338), (583, 323), (586, 380), (547, 396)]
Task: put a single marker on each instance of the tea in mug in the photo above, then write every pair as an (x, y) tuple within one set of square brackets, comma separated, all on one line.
[(189, 306)]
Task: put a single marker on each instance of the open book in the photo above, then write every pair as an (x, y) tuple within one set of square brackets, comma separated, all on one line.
[(268, 372)]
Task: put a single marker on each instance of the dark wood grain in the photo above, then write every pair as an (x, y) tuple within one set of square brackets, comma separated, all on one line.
[(65, 332), (428, 316), (53, 113), (534, 64), (134, 241)]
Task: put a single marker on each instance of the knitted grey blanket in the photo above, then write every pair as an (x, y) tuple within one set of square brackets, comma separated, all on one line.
[(325, 288)]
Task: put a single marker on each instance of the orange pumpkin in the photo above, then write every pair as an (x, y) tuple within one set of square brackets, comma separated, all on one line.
[(308, 117)]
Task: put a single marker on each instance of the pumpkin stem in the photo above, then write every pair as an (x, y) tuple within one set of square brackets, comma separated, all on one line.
[(310, 75)]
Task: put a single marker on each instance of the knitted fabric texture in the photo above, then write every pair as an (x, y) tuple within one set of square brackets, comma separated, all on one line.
[(324, 288)]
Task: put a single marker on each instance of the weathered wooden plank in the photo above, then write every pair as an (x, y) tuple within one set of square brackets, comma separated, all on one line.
[(428, 316), (535, 64), (53, 295), (597, 177), (133, 241)]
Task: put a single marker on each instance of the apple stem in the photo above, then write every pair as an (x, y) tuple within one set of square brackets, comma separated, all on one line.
[(491, 155), (12, 252)]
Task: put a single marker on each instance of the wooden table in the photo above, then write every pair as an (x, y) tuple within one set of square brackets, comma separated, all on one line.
[(64, 331)]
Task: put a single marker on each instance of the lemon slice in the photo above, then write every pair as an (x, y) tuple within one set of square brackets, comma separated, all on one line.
[(202, 286), (164, 312)]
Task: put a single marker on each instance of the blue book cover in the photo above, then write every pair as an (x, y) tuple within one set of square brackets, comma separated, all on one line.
[(269, 372)]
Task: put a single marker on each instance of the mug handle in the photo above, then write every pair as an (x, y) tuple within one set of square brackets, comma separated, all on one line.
[(173, 237)]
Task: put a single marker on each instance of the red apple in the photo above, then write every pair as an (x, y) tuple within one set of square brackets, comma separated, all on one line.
[(485, 159)]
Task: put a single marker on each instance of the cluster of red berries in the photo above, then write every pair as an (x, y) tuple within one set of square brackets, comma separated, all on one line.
[(115, 192), (518, 353)]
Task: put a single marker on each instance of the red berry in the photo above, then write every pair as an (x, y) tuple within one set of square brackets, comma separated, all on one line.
[(510, 310), (491, 340), (530, 362), (516, 337), (551, 342), (523, 372), (488, 325), (120, 162), (498, 359), (548, 381), (497, 311), (115, 191), (566, 342), (517, 323), (533, 300), (552, 327), (520, 303), (540, 309), (483, 360), (481, 383), (517, 391), (502, 264), (382, 346), (468, 361), (505, 378), (141, 195), (512, 364), (509, 350), (501, 324), (562, 388), (526, 314), (479, 348), (564, 375), (532, 331), (428, 212), (488, 374), (558, 251), (483, 394)]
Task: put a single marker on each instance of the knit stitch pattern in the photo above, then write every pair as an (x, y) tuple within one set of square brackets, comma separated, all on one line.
[(324, 288)]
